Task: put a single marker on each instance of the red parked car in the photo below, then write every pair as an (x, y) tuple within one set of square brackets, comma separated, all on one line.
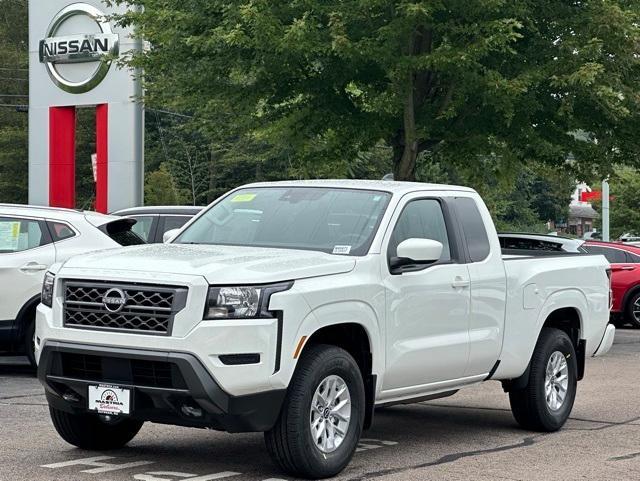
[(625, 278)]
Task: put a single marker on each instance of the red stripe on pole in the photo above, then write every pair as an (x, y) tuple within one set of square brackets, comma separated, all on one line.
[(62, 157), (102, 160)]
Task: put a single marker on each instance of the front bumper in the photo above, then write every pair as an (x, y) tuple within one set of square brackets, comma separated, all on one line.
[(162, 384)]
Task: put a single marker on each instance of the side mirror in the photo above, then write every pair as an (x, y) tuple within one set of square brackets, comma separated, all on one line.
[(417, 251), (170, 234)]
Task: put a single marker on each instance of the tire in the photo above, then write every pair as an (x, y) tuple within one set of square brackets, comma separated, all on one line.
[(530, 405), (29, 346), (88, 431), (290, 443), (628, 312)]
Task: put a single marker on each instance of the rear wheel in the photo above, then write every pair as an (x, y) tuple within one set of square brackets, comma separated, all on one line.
[(322, 416), (632, 314), (89, 431), (546, 403)]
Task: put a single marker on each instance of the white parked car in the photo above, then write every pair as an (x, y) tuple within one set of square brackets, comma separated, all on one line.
[(296, 308), (630, 239), (31, 240)]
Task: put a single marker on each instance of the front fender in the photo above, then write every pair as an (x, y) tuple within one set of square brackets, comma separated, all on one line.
[(343, 312)]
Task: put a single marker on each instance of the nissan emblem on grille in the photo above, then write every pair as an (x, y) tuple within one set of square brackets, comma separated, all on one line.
[(142, 308), (114, 300)]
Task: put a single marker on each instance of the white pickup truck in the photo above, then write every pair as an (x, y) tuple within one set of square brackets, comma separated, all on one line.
[(297, 308)]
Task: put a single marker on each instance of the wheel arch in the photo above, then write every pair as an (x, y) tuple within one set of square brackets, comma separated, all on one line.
[(24, 314), (633, 290), (355, 338), (568, 318)]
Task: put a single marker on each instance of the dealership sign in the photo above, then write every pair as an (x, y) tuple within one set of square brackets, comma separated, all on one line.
[(96, 48)]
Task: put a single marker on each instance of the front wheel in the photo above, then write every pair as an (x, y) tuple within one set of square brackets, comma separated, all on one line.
[(322, 417), (546, 403), (89, 431)]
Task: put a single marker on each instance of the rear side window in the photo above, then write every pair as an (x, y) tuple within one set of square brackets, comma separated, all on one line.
[(473, 228), (17, 235), (633, 258), (60, 231)]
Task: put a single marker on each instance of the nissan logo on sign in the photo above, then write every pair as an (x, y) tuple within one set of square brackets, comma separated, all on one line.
[(94, 45)]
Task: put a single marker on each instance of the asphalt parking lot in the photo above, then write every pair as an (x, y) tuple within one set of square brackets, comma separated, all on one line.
[(470, 436)]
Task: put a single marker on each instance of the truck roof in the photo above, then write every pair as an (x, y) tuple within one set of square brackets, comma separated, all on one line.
[(395, 187)]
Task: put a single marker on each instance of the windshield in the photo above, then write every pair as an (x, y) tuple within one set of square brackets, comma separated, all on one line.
[(337, 221)]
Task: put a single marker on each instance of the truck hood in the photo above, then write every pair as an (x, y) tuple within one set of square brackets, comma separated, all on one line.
[(218, 264)]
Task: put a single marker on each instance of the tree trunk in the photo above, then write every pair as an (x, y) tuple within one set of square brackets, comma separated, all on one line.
[(213, 176), (404, 167)]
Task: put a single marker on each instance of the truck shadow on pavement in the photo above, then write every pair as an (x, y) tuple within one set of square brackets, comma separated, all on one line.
[(437, 434)]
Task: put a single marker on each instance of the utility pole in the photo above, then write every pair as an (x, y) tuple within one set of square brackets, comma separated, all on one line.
[(605, 210)]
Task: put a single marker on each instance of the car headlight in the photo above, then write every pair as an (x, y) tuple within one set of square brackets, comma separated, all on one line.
[(47, 289), (241, 302)]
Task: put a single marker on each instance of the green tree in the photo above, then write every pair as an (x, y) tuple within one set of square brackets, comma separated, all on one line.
[(624, 207), (323, 80), (13, 93), (159, 189)]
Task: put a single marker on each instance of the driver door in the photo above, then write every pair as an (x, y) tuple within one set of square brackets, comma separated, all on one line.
[(427, 324)]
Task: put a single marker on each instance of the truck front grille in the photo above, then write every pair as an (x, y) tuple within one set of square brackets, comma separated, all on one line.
[(142, 308)]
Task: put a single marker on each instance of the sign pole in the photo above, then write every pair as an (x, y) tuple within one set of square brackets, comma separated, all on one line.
[(605, 210)]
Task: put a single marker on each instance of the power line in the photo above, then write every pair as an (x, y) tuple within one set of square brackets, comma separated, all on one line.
[(170, 113)]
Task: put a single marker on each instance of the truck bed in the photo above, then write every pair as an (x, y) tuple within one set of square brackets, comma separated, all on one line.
[(542, 282)]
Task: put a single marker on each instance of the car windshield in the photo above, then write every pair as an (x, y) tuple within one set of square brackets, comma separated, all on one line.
[(336, 221)]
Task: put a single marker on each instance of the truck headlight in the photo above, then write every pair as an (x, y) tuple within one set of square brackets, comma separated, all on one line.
[(241, 302), (47, 289)]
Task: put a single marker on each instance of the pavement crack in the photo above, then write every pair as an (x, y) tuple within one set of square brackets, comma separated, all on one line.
[(6, 398), (626, 456), (450, 458)]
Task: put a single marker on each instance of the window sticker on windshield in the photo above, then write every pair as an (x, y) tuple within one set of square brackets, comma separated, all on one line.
[(243, 197), (341, 249), (377, 198), (9, 235)]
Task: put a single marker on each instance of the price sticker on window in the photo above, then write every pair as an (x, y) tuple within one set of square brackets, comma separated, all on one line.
[(9, 236)]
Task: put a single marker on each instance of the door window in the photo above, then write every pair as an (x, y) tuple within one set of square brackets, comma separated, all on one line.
[(173, 222), (143, 225), (421, 219), (614, 256), (17, 235)]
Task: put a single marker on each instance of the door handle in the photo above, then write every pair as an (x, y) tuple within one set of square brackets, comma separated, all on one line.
[(33, 267), (459, 282), (627, 268)]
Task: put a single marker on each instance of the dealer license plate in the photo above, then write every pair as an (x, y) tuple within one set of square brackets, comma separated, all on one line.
[(107, 399)]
